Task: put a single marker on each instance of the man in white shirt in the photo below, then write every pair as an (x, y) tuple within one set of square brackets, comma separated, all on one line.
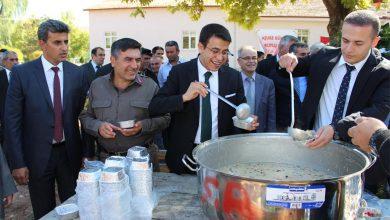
[(344, 80), (172, 52), (42, 134)]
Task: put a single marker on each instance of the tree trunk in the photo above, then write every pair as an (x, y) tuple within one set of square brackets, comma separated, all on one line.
[(337, 13)]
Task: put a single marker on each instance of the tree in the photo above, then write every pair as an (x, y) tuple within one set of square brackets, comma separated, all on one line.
[(78, 40), (9, 10), (246, 12), (24, 37)]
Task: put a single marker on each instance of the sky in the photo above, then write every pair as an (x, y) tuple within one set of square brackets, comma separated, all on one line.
[(54, 8)]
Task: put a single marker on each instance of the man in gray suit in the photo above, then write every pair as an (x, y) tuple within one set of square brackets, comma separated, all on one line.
[(7, 185), (259, 90)]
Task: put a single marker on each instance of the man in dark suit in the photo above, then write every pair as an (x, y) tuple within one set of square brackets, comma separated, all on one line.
[(194, 119), (9, 59), (97, 59), (42, 136), (344, 80), (259, 90), (269, 67), (90, 69)]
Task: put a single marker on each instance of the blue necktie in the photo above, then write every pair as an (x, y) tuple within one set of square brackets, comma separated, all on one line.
[(250, 97), (342, 96), (206, 126)]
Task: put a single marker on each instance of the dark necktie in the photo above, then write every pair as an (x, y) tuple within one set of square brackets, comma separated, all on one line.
[(97, 68), (58, 129), (206, 113), (342, 96)]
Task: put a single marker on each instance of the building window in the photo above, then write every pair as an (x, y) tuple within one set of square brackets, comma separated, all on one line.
[(303, 35), (110, 38), (189, 39)]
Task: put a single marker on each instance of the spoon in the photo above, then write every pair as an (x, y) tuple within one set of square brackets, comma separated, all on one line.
[(242, 111)]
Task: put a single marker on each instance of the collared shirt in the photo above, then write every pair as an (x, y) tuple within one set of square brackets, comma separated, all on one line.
[(213, 81), (106, 103), (94, 65), (164, 70), (49, 74), (252, 86), (302, 83), (8, 72), (329, 95)]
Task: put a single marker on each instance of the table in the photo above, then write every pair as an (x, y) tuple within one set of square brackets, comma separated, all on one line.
[(178, 198)]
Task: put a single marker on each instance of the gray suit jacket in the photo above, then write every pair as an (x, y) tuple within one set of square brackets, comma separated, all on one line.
[(7, 185), (265, 104)]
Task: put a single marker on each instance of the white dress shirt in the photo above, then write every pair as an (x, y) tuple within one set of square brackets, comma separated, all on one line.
[(49, 74), (94, 65), (8, 72), (329, 95), (213, 81)]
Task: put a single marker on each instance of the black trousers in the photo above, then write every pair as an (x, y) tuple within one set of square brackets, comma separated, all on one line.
[(42, 189)]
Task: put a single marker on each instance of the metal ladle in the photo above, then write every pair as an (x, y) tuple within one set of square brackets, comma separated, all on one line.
[(295, 133), (242, 111)]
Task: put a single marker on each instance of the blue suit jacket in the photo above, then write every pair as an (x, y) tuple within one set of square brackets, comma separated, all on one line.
[(265, 104), (29, 116)]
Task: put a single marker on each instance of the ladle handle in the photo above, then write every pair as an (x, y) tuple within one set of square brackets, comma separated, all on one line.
[(222, 98), (292, 99)]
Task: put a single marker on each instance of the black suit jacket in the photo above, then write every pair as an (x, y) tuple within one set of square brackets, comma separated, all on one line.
[(104, 70), (370, 93), (269, 67), (3, 93), (88, 69), (29, 125), (185, 116)]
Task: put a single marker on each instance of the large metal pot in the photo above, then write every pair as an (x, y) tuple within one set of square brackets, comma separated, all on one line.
[(226, 196)]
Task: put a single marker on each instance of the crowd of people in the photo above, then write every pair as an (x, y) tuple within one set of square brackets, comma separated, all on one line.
[(342, 93)]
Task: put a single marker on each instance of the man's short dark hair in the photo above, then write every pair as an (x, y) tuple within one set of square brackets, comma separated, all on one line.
[(364, 18), (54, 26), (293, 48), (259, 53), (3, 50), (94, 50), (146, 51), (214, 30), (172, 43), (154, 50), (123, 45)]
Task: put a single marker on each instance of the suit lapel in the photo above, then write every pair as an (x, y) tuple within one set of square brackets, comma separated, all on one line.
[(66, 84), (41, 78), (361, 80), (223, 86), (259, 85), (192, 77)]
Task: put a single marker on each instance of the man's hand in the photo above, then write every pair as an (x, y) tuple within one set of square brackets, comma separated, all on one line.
[(254, 123), (107, 130), (288, 61), (194, 90), (21, 175), (8, 200), (323, 136), (362, 132), (132, 131)]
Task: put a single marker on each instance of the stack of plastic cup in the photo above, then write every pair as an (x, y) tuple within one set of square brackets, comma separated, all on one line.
[(87, 191)]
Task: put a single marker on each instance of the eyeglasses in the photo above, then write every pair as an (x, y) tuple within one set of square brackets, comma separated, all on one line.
[(216, 52), (249, 58)]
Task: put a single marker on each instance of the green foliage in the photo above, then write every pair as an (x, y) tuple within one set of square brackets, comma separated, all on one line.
[(24, 36), (10, 9), (385, 37), (78, 40)]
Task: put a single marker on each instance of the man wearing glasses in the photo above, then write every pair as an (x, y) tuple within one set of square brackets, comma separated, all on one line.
[(259, 90), (196, 115), (10, 59)]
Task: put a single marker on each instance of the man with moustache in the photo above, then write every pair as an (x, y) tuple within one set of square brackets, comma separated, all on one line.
[(42, 136), (172, 52), (196, 115)]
